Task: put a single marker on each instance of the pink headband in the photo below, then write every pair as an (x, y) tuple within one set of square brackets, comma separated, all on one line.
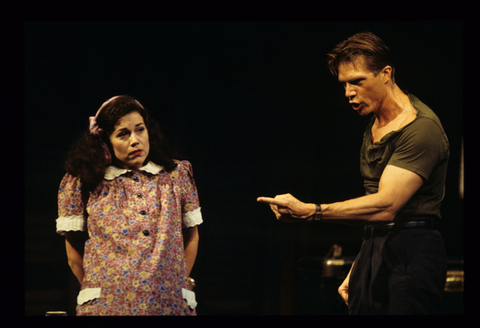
[(95, 131)]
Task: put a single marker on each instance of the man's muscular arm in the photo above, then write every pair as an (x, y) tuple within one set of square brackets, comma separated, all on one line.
[(396, 187)]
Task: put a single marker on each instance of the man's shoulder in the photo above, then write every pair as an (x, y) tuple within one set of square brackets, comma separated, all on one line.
[(426, 116), (423, 109)]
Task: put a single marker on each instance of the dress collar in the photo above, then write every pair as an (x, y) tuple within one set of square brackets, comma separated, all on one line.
[(113, 172)]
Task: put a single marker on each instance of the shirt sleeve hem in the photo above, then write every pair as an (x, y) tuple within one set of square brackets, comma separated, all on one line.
[(411, 168)]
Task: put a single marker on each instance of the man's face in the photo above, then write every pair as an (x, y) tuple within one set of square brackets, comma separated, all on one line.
[(365, 91)]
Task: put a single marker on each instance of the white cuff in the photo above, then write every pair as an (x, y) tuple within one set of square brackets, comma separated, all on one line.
[(69, 223), (192, 218)]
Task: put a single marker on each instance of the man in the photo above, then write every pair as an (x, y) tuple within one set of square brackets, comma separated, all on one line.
[(401, 267)]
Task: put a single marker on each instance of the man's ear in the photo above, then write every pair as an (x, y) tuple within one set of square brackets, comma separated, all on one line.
[(387, 73)]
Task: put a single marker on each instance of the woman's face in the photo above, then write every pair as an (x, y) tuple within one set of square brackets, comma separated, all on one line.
[(130, 141)]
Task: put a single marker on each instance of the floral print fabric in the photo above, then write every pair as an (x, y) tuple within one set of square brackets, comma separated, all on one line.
[(134, 254)]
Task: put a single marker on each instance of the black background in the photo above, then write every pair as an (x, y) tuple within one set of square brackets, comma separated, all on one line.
[(252, 106)]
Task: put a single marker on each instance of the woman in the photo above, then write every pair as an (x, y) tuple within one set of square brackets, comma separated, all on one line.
[(141, 210)]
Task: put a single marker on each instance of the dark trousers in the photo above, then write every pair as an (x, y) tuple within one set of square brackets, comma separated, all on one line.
[(403, 272)]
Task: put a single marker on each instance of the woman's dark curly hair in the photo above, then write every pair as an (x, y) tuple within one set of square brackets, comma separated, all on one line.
[(86, 158)]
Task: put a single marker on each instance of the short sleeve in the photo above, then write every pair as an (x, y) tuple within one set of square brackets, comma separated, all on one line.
[(420, 148), (70, 205), (191, 212)]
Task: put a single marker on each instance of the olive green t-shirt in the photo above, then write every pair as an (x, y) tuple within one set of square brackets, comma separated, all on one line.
[(421, 147)]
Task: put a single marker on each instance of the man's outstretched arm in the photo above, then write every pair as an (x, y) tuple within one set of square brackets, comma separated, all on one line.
[(396, 187)]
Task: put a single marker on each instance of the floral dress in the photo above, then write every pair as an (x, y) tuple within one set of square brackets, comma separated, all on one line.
[(134, 258)]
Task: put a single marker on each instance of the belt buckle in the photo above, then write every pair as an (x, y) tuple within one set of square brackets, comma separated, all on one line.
[(367, 232), (377, 230), (382, 230)]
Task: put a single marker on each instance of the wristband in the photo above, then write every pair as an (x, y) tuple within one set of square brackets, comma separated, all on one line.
[(318, 213)]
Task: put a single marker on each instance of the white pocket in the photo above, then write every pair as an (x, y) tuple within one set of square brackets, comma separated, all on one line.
[(88, 294), (189, 296)]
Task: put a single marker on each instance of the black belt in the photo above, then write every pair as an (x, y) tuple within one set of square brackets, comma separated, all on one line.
[(372, 230)]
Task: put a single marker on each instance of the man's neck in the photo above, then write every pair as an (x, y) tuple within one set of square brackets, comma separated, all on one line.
[(395, 112), (395, 104)]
